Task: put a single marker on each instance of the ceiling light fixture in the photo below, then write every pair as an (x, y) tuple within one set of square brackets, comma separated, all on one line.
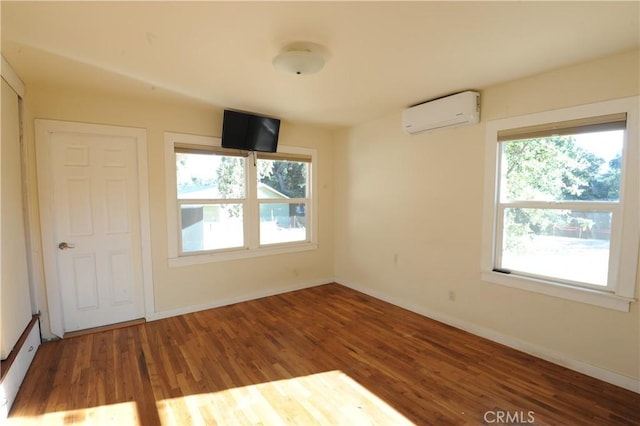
[(300, 57)]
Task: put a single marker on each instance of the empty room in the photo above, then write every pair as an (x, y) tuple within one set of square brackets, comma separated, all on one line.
[(331, 213)]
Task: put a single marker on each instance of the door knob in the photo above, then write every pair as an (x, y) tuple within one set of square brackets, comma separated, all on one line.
[(64, 245)]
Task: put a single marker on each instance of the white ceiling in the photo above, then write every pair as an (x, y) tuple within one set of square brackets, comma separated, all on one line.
[(382, 56)]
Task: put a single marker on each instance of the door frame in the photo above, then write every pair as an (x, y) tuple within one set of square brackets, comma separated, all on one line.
[(43, 131)]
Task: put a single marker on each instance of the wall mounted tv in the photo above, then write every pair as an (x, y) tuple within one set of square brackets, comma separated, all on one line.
[(250, 132)]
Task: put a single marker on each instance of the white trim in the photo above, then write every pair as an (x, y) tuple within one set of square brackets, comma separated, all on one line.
[(626, 232), (43, 128), (541, 352), (224, 256), (170, 188), (11, 77), (52, 290), (253, 249), (577, 294), (232, 300), (145, 226)]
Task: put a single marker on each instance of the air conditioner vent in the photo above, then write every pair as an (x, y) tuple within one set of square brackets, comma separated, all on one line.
[(451, 111)]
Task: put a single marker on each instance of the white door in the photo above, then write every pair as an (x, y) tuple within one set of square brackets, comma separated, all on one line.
[(95, 226)]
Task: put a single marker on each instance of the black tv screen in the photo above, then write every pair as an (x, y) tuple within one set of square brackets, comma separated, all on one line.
[(250, 132)]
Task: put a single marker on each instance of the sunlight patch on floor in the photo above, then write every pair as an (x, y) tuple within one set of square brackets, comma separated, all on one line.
[(124, 413), (325, 398)]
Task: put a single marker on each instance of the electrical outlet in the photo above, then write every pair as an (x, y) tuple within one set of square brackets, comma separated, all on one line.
[(452, 296)]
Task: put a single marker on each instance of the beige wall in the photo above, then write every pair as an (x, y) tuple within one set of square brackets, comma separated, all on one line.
[(404, 220), (408, 222), (184, 287)]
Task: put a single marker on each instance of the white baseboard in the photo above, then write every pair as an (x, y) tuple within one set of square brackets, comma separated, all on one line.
[(230, 301), (546, 354)]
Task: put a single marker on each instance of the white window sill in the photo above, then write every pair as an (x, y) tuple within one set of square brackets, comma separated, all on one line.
[(197, 259), (582, 295)]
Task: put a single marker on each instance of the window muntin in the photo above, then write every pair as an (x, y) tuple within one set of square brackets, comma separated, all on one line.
[(558, 197)]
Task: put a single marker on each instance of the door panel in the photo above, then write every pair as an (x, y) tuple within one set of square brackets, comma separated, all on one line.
[(96, 222), (120, 273), (116, 204), (79, 207), (84, 282)]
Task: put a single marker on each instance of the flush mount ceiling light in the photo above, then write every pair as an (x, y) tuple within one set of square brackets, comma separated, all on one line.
[(300, 57)]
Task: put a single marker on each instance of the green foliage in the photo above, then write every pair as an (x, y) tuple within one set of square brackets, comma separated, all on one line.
[(554, 169), (287, 177), (265, 168), (603, 186), (230, 181), (190, 171), (230, 177), (548, 169)]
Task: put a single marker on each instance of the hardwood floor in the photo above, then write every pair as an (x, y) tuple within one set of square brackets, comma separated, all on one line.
[(324, 355)]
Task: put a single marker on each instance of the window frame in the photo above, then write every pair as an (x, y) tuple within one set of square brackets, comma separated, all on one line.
[(625, 236), (180, 202), (291, 157), (251, 216)]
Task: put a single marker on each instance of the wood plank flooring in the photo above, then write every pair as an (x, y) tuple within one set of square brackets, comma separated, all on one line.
[(324, 355)]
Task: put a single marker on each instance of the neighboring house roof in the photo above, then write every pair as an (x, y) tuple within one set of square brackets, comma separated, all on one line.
[(198, 192), (265, 191), (202, 192)]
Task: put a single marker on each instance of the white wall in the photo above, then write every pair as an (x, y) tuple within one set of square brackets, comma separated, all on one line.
[(185, 288), (408, 224)]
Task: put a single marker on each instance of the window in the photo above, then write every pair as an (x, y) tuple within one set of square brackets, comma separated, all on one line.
[(283, 197), (561, 215), (224, 204)]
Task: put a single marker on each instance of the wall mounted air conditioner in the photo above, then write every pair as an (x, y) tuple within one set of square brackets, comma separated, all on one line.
[(451, 111)]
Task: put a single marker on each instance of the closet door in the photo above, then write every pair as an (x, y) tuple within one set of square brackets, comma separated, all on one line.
[(15, 308)]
